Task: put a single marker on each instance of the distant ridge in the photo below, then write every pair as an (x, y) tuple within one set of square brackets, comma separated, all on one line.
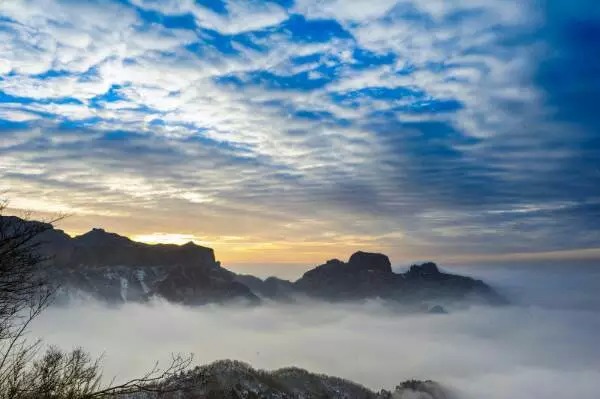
[(369, 275), (115, 268)]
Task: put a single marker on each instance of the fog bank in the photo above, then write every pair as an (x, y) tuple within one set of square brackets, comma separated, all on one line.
[(543, 346)]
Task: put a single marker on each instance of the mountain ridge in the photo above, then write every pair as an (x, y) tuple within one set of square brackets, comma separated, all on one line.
[(115, 268)]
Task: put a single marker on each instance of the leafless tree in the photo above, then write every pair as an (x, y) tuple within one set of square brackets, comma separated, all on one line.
[(24, 372)]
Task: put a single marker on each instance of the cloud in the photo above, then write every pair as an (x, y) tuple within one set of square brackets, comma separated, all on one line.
[(422, 120), (233, 17), (544, 345)]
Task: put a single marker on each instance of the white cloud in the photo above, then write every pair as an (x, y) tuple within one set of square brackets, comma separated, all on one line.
[(543, 346), (240, 16), (346, 11), (17, 115), (271, 161)]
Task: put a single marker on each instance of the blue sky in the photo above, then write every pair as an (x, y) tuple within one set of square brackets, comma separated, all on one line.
[(296, 130)]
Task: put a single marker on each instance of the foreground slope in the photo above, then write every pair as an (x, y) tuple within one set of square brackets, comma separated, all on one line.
[(236, 380)]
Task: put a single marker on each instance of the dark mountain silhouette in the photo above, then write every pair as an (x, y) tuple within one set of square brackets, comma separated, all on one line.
[(115, 268), (370, 275)]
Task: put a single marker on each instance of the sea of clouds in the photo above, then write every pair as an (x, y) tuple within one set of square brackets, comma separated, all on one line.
[(544, 345)]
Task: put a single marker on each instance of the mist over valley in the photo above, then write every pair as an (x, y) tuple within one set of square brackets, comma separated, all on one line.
[(539, 341)]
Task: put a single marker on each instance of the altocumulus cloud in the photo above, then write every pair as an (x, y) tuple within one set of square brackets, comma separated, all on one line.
[(440, 122)]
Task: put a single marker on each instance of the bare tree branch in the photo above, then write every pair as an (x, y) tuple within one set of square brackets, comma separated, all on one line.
[(24, 295)]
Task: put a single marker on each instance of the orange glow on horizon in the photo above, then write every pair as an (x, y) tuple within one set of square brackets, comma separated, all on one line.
[(294, 247)]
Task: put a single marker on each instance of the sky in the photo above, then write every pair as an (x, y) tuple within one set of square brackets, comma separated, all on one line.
[(294, 131)]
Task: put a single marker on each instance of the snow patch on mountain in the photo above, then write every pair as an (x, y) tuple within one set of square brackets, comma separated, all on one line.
[(124, 286)]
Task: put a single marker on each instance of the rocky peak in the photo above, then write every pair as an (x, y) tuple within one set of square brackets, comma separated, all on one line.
[(370, 261), (426, 269)]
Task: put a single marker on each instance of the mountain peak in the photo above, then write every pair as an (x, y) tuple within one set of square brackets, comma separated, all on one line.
[(370, 261), (425, 269), (370, 275)]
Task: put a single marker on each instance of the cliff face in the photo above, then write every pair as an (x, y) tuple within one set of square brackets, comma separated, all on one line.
[(98, 248), (114, 268)]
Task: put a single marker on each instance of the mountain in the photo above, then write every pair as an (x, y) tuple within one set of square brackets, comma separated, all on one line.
[(370, 275), (236, 380), (114, 268), (111, 267)]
